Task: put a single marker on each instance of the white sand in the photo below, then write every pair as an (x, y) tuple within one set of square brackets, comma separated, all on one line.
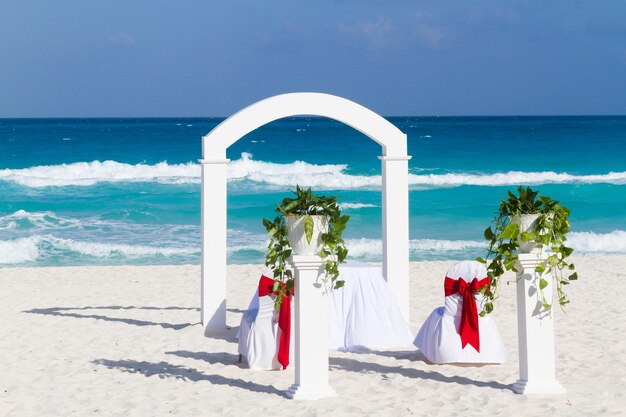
[(125, 341)]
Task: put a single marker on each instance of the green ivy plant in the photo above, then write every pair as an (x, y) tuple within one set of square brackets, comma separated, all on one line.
[(333, 251), (547, 231)]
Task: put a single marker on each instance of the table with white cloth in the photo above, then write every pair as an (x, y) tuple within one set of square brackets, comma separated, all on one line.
[(363, 314)]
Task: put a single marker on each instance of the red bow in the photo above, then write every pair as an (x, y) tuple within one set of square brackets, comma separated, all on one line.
[(468, 328), (266, 287)]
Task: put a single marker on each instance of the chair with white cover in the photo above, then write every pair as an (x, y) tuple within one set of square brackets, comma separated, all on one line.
[(262, 340), (455, 333)]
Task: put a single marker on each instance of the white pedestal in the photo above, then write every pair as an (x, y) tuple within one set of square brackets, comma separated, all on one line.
[(311, 331), (535, 331)]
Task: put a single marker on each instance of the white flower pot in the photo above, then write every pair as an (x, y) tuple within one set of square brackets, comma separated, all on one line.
[(526, 223), (297, 237)]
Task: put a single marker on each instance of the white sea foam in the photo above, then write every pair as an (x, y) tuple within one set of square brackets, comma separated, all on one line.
[(584, 243), (298, 172), (90, 173), (373, 248), (30, 249), (105, 250), (355, 206), (18, 251), (23, 219), (515, 178), (599, 243), (330, 176)]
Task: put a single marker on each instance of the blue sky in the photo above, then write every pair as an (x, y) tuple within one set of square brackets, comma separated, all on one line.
[(210, 58)]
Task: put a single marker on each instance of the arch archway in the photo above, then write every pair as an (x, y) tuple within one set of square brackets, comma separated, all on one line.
[(395, 197)]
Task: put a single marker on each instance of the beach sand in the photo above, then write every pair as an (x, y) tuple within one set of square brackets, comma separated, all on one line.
[(126, 341)]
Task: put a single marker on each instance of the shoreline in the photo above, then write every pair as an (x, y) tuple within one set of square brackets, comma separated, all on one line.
[(126, 340)]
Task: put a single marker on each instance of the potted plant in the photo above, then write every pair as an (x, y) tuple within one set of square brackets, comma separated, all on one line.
[(306, 225), (529, 223)]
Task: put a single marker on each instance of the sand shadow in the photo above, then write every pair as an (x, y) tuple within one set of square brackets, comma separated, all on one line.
[(408, 355), (228, 334), (418, 356), (70, 312), (165, 370), (352, 365), (223, 358)]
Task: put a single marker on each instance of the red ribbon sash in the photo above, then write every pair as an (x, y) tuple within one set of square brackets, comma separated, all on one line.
[(468, 328), (266, 287)]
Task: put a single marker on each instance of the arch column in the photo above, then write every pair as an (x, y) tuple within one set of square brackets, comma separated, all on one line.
[(213, 230), (395, 200)]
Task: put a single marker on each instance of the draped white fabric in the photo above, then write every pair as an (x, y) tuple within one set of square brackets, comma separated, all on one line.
[(439, 340), (364, 313), (361, 315), (259, 333)]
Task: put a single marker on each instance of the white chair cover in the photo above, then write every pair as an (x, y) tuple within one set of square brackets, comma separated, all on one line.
[(361, 315), (259, 333), (439, 340)]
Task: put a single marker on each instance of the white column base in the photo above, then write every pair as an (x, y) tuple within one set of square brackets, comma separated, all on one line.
[(537, 358), (299, 392), (311, 331), (538, 388)]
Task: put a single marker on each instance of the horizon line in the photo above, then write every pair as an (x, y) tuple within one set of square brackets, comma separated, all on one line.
[(305, 116)]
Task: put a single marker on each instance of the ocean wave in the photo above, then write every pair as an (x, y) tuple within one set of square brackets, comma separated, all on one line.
[(24, 220), (598, 243), (18, 251), (33, 248), (512, 178), (90, 173), (355, 206), (373, 248), (269, 174)]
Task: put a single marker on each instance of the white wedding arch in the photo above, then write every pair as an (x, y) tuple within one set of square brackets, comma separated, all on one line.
[(395, 197)]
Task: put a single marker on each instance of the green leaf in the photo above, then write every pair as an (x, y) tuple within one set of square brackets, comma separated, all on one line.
[(573, 277), (566, 251), (510, 263), (308, 228), (527, 236), (553, 260), (290, 206), (510, 232), (542, 284), (540, 268)]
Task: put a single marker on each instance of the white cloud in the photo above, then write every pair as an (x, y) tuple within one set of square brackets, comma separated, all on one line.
[(429, 33), (121, 39), (379, 33)]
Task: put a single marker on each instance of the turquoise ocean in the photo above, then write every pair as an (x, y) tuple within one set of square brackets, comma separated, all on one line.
[(127, 191)]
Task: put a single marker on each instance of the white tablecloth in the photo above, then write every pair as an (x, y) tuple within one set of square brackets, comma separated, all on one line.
[(364, 313)]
